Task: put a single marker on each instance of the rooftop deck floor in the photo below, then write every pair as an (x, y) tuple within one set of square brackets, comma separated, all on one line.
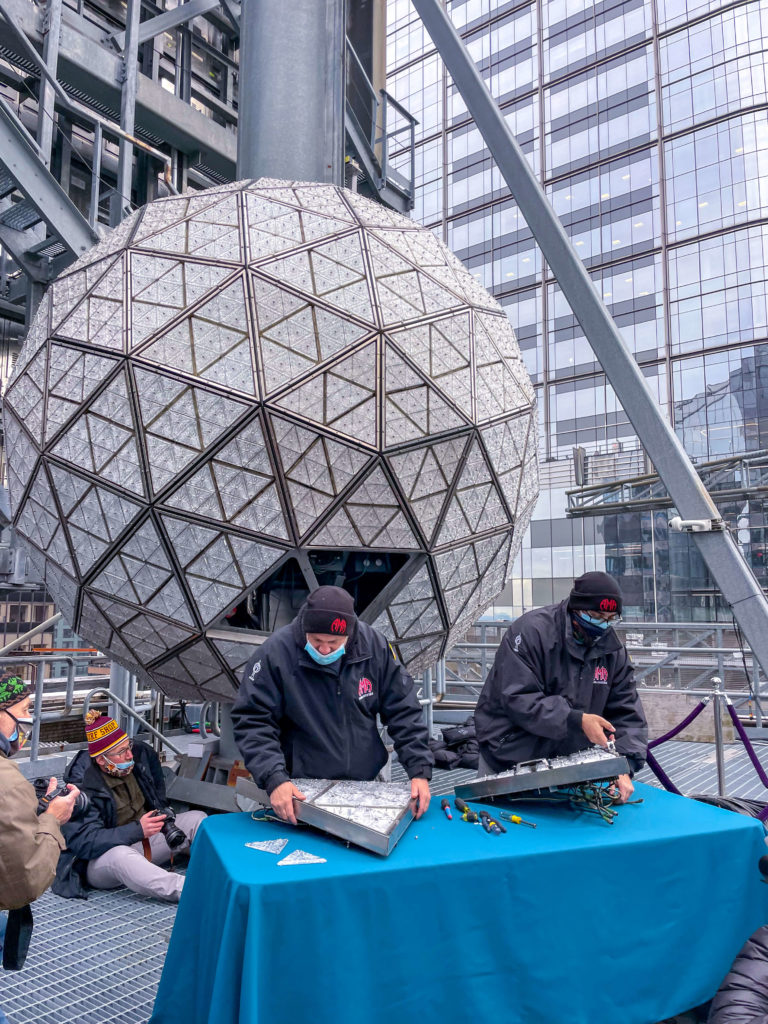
[(98, 961)]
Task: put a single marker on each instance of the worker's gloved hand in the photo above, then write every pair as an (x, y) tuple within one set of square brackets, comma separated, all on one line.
[(281, 799), (419, 796), (595, 728)]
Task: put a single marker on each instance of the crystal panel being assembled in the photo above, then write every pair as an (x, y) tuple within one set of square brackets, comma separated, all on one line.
[(243, 376)]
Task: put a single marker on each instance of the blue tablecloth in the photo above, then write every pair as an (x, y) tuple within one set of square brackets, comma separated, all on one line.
[(575, 922)]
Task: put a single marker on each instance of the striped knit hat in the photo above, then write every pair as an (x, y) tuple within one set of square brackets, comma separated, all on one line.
[(13, 690), (103, 733)]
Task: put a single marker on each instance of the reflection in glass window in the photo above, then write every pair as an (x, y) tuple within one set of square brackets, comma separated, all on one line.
[(601, 112), (716, 176), (523, 309), (721, 402), (506, 55), (715, 67), (676, 12), (632, 292), (586, 412), (612, 211), (419, 88), (718, 290), (570, 44)]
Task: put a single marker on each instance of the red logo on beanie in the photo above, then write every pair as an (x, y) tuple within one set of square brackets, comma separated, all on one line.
[(339, 626), (608, 605)]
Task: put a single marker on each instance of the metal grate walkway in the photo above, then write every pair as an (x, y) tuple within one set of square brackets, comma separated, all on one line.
[(94, 961), (693, 769)]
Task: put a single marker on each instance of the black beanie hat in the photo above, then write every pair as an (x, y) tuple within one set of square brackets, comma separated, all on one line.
[(329, 610), (596, 592)]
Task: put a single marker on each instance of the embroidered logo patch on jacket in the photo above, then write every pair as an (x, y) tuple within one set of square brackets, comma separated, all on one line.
[(601, 674), (364, 688)]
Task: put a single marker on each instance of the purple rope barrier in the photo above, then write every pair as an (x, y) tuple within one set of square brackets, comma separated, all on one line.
[(763, 815), (679, 728), (660, 774)]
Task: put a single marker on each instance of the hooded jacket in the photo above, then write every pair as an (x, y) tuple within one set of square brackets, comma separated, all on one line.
[(97, 831), (294, 718), (542, 682), (29, 844)]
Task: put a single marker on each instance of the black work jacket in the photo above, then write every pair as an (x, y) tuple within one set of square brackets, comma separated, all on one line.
[(541, 683), (98, 830), (294, 718), (743, 996)]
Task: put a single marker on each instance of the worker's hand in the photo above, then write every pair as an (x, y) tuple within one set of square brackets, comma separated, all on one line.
[(626, 789), (594, 728), (419, 796), (282, 798), (61, 808), (151, 823)]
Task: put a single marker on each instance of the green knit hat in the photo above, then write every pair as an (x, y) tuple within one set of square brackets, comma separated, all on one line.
[(12, 690)]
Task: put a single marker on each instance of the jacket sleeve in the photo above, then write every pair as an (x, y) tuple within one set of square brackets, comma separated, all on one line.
[(256, 717), (29, 845), (403, 716), (87, 838), (625, 713), (520, 688)]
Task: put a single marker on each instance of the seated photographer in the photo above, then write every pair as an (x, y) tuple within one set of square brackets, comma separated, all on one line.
[(127, 832)]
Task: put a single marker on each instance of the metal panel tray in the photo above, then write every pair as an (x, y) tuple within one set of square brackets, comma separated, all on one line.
[(547, 773), (373, 815)]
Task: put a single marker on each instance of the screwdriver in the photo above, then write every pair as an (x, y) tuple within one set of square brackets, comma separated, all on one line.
[(445, 805), (515, 819), (490, 825), (465, 812)]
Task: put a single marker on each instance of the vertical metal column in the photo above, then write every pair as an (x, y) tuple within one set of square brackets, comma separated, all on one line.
[(733, 576), (46, 100), (119, 684), (291, 92), (122, 201), (718, 706)]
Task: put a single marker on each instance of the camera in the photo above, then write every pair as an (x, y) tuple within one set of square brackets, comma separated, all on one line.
[(44, 799), (173, 834)]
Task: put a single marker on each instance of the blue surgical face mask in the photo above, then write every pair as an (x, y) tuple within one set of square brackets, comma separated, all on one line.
[(118, 768), (592, 626), (324, 659)]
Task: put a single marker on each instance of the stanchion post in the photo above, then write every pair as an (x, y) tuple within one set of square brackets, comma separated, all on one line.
[(718, 706), (34, 745)]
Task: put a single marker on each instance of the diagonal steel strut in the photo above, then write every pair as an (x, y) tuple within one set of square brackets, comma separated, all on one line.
[(733, 576)]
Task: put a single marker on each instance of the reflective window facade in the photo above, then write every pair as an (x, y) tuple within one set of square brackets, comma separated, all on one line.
[(647, 123)]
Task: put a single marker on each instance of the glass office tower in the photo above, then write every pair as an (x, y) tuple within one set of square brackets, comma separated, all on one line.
[(647, 122)]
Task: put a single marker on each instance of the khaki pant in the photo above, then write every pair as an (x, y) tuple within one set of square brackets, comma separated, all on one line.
[(127, 865)]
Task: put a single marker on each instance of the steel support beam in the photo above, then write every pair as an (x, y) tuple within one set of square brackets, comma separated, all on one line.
[(292, 83), (121, 201), (171, 19), (733, 576), (55, 207), (47, 96), (89, 66)]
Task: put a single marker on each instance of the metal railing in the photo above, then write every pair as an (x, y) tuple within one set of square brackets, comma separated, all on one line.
[(382, 120), (613, 487)]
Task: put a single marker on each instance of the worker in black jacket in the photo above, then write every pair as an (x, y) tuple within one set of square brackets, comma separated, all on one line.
[(309, 699), (561, 681)]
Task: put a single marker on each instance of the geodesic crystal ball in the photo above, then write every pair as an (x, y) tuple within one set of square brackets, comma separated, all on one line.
[(237, 373)]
